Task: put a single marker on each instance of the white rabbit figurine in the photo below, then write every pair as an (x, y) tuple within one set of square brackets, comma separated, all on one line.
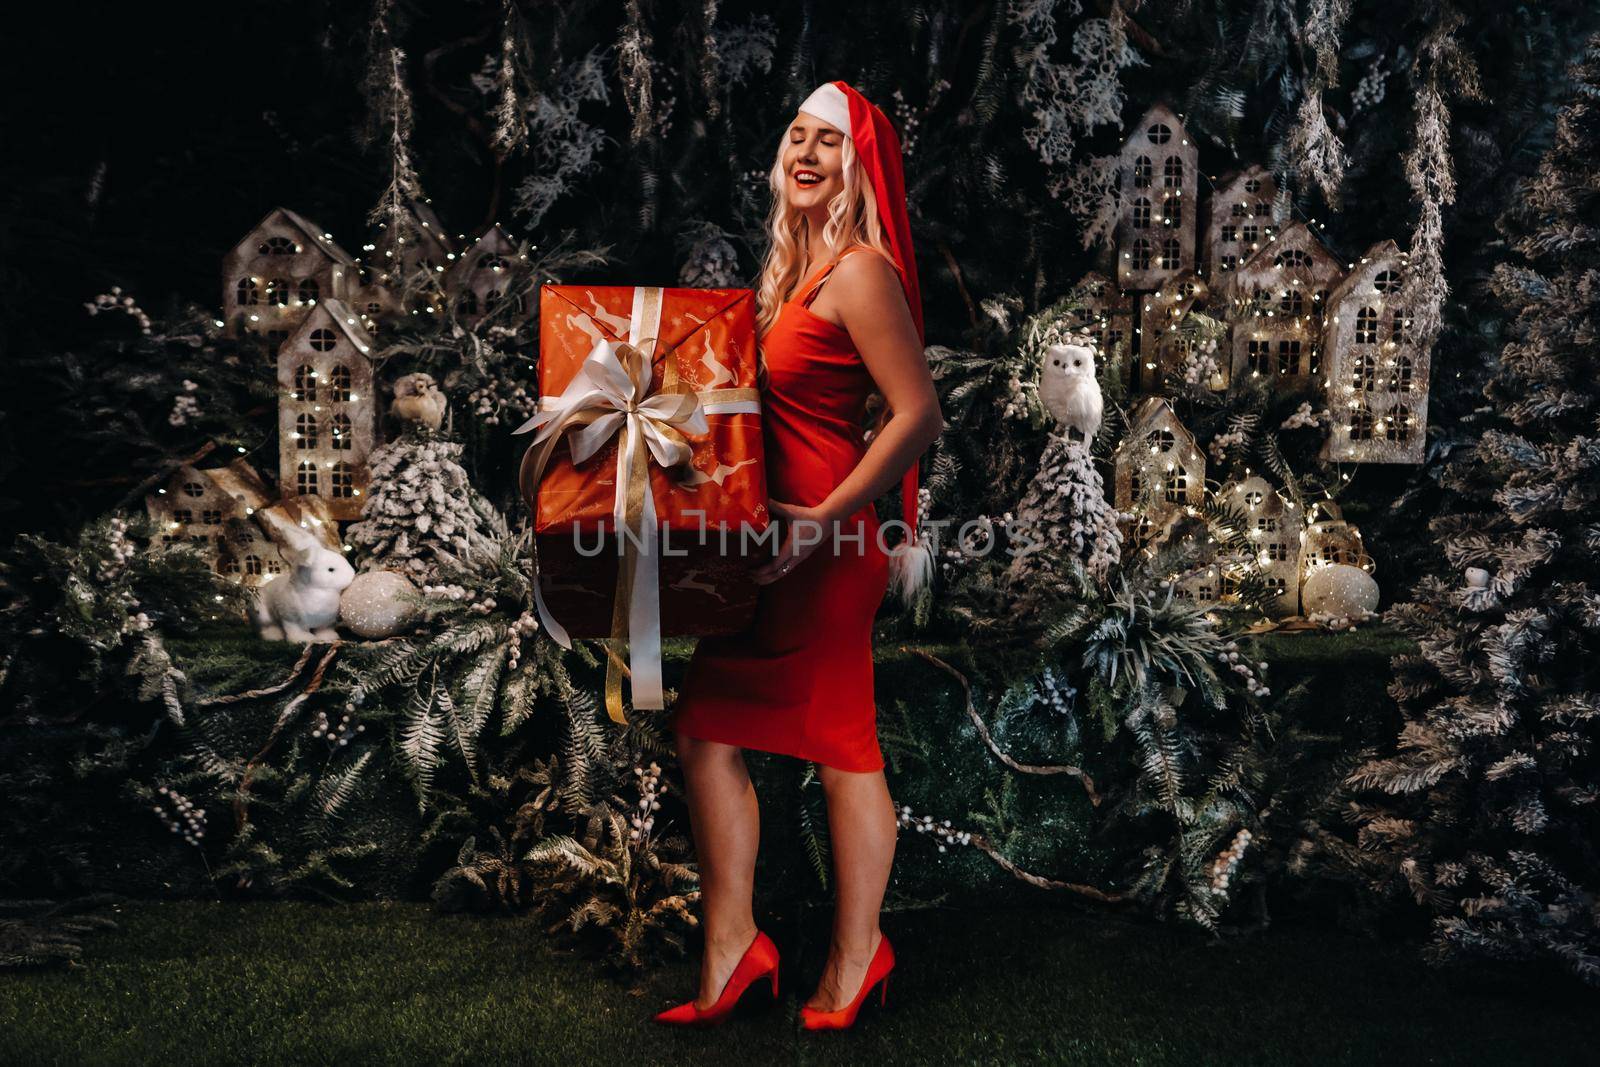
[(303, 605)]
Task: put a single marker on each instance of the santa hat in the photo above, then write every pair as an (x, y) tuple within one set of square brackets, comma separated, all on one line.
[(878, 152)]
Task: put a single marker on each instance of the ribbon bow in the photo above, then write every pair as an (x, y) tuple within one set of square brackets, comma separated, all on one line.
[(611, 393)]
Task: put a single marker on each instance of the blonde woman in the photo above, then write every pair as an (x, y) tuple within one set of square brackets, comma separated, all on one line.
[(798, 681)]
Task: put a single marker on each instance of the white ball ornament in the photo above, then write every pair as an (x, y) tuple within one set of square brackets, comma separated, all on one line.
[(371, 605), (1339, 590)]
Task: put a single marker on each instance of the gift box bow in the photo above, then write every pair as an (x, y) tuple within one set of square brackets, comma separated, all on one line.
[(611, 395)]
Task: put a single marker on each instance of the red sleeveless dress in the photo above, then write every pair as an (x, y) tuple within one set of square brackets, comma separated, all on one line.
[(798, 680)]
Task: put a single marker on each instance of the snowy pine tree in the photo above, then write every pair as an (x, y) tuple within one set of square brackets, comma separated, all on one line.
[(1490, 814), (1066, 514), (421, 510)]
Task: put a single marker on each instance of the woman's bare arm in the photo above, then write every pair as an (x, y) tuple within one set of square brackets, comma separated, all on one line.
[(872, 304)]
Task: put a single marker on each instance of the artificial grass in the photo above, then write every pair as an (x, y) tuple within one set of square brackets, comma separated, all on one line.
[(209, 983)]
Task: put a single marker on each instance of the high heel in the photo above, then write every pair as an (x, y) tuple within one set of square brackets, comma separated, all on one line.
[(877, 974), (759, 959)]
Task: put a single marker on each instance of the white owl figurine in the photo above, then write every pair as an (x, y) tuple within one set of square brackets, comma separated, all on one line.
[(418, 399), (1069, 390)]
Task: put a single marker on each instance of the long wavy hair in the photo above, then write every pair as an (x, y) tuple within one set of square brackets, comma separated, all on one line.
[(852, 219)]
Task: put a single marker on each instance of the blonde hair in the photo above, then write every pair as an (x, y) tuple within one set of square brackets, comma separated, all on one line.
[(852, 220)]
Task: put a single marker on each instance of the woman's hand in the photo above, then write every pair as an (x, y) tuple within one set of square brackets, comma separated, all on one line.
[(805, 530)]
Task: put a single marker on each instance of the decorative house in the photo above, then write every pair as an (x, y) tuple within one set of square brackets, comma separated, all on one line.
[(1158, 194), (309, 513), (1105, 315), (1240, 219), (327, 409), (1163, 343), (425, 259), (1159, 468), (491, 269), (214, 508), (1277, 301), (283, 267), (1378, 375), (1205, 576), (1273, 527)]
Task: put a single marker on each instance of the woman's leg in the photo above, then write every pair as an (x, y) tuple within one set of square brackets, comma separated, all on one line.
[(726, 823), (863, 829)]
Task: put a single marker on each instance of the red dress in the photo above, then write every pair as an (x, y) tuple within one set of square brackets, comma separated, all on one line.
[(798, 680)]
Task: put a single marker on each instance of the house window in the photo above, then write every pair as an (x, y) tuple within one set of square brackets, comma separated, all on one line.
[(1367, 326), (306, 479), (183, 515), (1361, 423), (1161, 441), (1260, 356), (339, 383), (343, 437), (1229, 262), (278, 292), (277, 246), (305, 382), (1238, 211), (1366, 373), (1172, 213), (1230, 233), (252, 564), (344, 480), (1249, 233), (1293, 302), (1141, 213), (374, 308), (1387, 281), (1177, 485), (1319, 304), (468, 304), (211, 516), (1135, 485), (1262, 208), (1252, 185), (1171, 254), (1314, 359), (1267, 524), (1398, 426), (1203, 591), (1160, 133), (1277, 551), (246, 293), (1172, 172), (193, 489), (1288, 357), (1403, 371), (309, 290), (1141, 254), (305, 431), (1400, 326), (1142, 171), (1278, 586), (1113, 339), (323, 339), (274, 566), (495, 263), (1291, 258), (227, 565)]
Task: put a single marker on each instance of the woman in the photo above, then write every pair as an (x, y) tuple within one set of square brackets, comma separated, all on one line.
[(798, 680)]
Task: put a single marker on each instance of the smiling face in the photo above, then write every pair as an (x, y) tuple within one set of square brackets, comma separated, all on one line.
[(815, 152)]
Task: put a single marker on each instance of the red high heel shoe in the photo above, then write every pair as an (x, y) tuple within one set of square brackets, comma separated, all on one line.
[(759, 959), (877, 974)]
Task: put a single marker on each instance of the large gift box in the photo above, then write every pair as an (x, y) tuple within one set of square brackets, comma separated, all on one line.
[(646, 477)]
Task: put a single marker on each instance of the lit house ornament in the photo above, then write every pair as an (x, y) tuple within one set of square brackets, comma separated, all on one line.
[(1159, 468), (1377, 374), (1328, 541), (425, 257), (1277, 302), (285, 266), (1105, 316), (1273, 526), (214, 509), (327, 409), (491, 269), (1240, 219), (1163, 343), (1157, 193)]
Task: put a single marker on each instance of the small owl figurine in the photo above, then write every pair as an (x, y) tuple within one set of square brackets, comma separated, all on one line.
[(418, 399), (1069, 390)]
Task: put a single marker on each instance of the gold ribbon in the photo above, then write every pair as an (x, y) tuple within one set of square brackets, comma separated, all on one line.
[(611, 394)]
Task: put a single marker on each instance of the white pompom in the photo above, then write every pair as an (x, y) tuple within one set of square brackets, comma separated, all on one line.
[(910, 569)]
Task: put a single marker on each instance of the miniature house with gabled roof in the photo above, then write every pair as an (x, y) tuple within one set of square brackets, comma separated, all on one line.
[(1164, 344), (1104, 313), (1159, 468), (1277, 302), (1378, 375), (1239, 219), (213, 509), (425, 258), (1273, 526), (327, 409), (1158, 195), (283, 267), (490, 270)]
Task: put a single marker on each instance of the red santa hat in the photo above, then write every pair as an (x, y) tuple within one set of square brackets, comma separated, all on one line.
[(878, 152)]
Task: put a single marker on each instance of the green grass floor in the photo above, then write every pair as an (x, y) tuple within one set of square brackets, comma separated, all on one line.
[(188, 983)]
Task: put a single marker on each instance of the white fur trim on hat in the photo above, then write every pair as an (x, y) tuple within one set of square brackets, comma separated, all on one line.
[(828, 103)]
